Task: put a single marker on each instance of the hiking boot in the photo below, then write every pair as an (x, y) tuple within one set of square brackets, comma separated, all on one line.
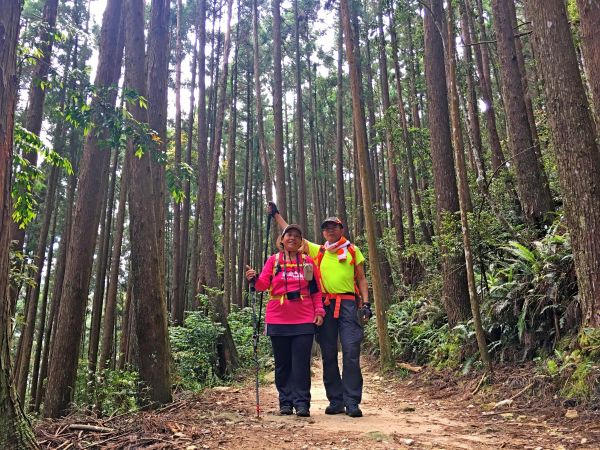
[(353, 411), (302, 411), (334, 409), (286, 410)]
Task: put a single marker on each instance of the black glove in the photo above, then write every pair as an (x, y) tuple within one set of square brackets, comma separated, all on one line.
[(273, 209), (367, 313)]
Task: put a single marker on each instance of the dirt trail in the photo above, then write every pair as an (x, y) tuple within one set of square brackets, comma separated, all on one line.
[(416, 412), (397, 414)]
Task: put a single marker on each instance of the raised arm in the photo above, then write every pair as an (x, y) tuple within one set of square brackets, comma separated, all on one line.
[(274, 213)]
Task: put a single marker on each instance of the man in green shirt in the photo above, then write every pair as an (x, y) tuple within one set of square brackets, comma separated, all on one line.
[(342, 274)]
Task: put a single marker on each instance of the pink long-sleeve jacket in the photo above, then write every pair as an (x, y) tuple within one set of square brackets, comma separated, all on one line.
[(287, 311)]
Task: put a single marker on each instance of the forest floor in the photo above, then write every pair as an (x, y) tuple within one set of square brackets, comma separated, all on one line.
[(423, 410)]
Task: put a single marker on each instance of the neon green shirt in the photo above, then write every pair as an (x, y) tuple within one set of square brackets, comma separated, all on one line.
[(337, 276)]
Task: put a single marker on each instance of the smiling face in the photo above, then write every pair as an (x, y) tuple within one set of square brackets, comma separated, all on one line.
[(332, 232), (292, 240)]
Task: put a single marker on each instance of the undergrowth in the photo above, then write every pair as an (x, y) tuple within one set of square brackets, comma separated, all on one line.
[(528, 293)]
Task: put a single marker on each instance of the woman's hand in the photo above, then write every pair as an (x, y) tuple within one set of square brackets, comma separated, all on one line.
[(318, 321), (250, 273)]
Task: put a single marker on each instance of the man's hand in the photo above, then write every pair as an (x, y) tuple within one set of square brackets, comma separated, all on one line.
[(366, 312), (318, 321), (272, 209)]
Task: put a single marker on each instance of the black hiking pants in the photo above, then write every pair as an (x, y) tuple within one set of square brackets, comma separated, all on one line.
[(292, 369), (344, 389)]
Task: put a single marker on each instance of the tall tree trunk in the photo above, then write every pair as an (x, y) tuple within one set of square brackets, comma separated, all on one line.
[(397, 219), (101, 266), (226, 347), (472, 108), (292, 192), (178, 301), (15, 429), (221, 103), (215, 57), (405, 134), (157, 73), (577, 152), (229, 274), (589, 20), (35, 107), (339, 136), (457, 136), (244, 227), (42, 322), (369, 100), (413, 71), (125, 329), (259, 107), (93, 177), (521, 62), (314, 164), (424, 216), (185, 275), (277, 111), (58, 281), (532, 186), (455, 295), (300, 165), (32, 305), (149, 301), (360, 129), (464, 202), (483, 72), (113, 282)]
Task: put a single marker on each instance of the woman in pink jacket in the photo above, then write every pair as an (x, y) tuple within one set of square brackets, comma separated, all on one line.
[(294, 309)]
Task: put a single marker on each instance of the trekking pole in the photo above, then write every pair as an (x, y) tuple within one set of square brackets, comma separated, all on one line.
[(255, 335), (256, 316), (266, 254)]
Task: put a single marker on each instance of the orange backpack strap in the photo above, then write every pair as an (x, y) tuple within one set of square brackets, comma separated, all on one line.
[(320, 256), (352, 252)]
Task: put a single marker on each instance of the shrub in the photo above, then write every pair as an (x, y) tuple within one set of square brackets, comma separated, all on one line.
[(241, 323), (194, 351)]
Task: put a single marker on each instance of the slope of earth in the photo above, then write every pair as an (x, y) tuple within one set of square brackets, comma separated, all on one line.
[(417, 412)]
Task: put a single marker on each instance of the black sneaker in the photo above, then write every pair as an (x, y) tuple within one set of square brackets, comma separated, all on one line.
[(286, 410), (353, 411), (302, 411), (334, 409)]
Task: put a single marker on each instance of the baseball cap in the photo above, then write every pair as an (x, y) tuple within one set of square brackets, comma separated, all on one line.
[(292, 226), (333, 220)]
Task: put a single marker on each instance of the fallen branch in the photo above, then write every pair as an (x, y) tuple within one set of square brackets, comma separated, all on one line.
[(414, 369), (170, 406), (96, 444), (496, 413), (479, 384), (522, 391), (60, 430), (86, 427)]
